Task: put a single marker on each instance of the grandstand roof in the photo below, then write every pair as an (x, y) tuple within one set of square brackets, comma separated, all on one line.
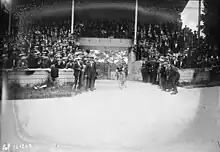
[(171, 4), (149, 10)]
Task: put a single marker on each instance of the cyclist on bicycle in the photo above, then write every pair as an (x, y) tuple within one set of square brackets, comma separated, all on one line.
[(121, 73), (119, 69)]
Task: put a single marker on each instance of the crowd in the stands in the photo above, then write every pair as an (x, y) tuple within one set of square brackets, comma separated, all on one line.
[(44, 43)]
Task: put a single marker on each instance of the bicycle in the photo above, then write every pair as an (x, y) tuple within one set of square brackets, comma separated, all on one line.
[(122, 80)]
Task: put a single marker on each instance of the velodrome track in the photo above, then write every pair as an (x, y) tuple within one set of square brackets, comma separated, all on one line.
[(138, 118)]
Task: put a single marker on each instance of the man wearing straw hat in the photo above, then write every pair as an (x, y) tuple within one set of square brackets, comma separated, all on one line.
[(22, 63)]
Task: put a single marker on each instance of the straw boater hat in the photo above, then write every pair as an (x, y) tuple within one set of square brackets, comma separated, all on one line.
[(44, 57), (37, 52), (3, 55), (23, 57), (64, 58), (78, 58), (71, 59), (161, 60), (78, 53), (58, 55)]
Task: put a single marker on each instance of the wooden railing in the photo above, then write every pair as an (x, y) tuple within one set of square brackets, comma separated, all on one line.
[(33, 77), (107, 42)]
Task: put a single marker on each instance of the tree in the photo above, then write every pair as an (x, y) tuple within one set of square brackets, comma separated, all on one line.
[(211, 19)]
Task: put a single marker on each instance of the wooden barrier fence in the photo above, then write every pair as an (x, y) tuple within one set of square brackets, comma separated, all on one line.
[(33, 77)]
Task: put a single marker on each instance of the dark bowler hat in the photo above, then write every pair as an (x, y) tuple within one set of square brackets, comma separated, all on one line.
[(87, 51)]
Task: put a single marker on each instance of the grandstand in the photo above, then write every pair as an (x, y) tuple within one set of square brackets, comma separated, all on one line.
[(106, 27), (109, 11)]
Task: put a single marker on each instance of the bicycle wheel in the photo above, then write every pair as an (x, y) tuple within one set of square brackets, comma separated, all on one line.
[(120, 80)]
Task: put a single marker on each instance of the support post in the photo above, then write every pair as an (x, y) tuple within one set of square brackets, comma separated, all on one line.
[(199, 22), (131, 54), (72, 16)]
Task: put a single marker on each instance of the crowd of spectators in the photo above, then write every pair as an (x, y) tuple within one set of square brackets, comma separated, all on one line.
[(44, 43), (123, 29)]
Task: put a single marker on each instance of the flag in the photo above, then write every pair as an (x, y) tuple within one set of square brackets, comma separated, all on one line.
[(6, 4)]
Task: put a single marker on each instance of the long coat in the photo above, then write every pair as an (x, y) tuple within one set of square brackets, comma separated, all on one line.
[(174, 74), (90, 70), (77, 68)]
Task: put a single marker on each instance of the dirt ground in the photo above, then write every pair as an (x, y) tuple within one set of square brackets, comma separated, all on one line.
[(16, 92), (139, 118)]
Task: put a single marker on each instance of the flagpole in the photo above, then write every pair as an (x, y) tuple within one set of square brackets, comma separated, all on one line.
[(135, 26), (72, 20)]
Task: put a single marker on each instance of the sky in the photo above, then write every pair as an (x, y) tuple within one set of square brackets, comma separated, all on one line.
[(190, 14)]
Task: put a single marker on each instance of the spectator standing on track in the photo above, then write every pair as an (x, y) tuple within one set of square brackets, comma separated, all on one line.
[(163, 76), (77, 67), (83, 78), (174, 78), (168, 78), (90, 74), (144, 70), (54, 74), (154, 67)]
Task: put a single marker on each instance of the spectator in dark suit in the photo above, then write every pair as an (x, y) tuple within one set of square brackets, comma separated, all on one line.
[(90, 73), (54, 73), (174, 77), (77, 66)]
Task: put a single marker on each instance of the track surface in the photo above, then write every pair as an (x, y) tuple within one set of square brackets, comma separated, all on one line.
[(138, 118)]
